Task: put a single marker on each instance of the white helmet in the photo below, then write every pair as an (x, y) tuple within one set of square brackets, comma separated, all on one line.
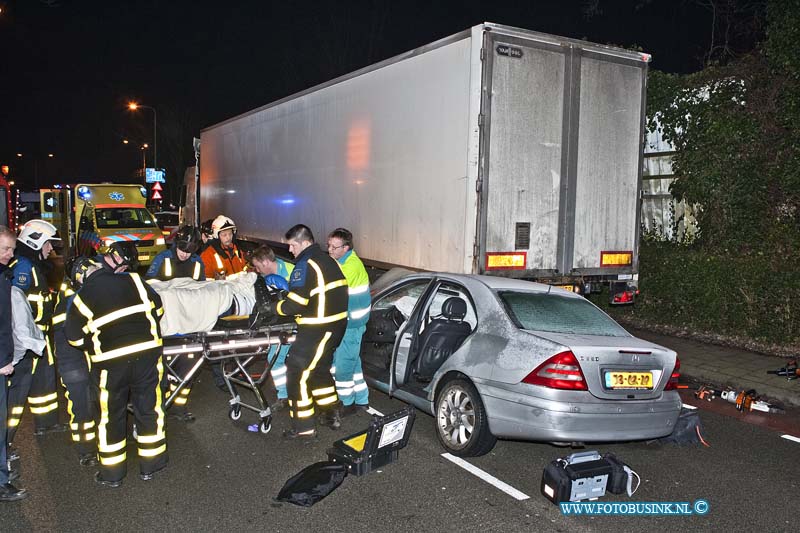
[(221, 223), (36, 232)]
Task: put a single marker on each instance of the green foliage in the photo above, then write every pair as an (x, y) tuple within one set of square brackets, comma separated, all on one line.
[(725, 293), (736, 132)]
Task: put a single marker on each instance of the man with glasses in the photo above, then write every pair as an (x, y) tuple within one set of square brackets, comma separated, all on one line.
[(350, 384)]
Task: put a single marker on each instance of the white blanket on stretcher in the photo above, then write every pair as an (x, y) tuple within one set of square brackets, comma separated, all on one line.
[(191, 306)]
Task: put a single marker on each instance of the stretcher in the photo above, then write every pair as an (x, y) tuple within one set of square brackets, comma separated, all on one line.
[(246, 355)]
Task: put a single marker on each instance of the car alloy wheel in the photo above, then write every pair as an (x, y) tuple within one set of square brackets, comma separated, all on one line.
[(461, 421)]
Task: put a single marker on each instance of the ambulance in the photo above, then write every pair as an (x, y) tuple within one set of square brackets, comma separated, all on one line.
[(93, 216)]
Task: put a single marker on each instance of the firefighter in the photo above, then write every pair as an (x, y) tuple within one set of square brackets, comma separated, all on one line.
[(120, 256), (73, 367), (29, 267), (276, 274), (223, 257), (181, 260), (206, 234), (350, 384), (114, 319), (318, 299)]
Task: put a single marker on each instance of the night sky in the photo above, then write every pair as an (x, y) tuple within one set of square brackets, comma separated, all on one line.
[(68, 67)]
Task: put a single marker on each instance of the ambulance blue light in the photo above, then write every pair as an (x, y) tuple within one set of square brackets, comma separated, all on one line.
[(84, 193), (143, 190)]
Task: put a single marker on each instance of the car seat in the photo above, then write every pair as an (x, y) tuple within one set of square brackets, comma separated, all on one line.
[(441, 338)]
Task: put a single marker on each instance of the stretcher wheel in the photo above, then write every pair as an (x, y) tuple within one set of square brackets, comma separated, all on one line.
[(265, 426), (235, 413)]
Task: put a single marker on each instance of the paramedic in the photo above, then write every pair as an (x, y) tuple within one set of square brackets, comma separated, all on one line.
[(114, 319), (121, 256), (276, 273), (350, 384)]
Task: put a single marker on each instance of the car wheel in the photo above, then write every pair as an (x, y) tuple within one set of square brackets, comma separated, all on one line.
[(461, 423)]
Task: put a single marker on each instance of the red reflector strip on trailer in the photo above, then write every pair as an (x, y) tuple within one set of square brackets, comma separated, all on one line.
[(616, 259), (506, 260)]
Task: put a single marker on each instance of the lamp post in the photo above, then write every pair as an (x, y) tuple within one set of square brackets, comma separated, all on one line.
[(133, 106)]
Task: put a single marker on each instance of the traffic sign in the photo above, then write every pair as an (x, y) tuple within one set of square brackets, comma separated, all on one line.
[(156, 195), (154, 175), (157, 187)]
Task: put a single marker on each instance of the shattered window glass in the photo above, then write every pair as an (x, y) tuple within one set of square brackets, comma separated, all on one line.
[(559, 314)]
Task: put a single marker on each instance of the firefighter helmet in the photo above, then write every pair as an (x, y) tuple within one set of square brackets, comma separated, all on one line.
[(76, 269), (205, 227), (187, 239), (222, 223), (124, 253), (36, 232)]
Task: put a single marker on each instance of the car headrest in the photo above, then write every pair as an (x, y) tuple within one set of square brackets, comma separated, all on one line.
[(454, 308)]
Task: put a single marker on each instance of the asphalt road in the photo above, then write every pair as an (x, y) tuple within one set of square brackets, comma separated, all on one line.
[(221, 476)]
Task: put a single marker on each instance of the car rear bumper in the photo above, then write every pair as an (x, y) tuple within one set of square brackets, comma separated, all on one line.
[(518, 415)]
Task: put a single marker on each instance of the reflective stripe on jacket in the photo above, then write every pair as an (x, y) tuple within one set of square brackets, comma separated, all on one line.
[(359, 300)]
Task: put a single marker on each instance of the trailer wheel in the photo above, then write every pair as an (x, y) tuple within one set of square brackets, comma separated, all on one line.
[(265, 426), (235, 412)]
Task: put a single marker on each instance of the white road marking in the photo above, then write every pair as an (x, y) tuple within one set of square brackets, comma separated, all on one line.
[(374, 411), (687, 406), (490, 479), (791, 437)]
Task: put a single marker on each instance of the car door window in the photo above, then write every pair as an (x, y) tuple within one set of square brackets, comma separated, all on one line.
[(404, 299), (449, 290)]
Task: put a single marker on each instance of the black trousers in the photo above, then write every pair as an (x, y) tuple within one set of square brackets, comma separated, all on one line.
[(3, 429), (43, 398), (19, 384), (135, 378), (180, 364), (309, 383), (80, 394)]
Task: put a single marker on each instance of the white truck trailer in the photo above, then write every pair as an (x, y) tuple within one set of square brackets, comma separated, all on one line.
[(496, 150)]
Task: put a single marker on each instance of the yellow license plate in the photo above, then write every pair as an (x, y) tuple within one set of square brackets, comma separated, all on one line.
[(144, 257), (570, 288), (629, 380)]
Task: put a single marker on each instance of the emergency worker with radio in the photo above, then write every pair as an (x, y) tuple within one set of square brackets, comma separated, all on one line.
[(73, 367), (181, 260), (114, 319), (29, 268), (223, 257), (317, 299)]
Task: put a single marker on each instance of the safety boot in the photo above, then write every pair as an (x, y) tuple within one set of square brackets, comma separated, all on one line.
[(331, 419)]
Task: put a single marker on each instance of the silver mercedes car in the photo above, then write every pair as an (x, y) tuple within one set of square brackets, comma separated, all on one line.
[(492, 357)]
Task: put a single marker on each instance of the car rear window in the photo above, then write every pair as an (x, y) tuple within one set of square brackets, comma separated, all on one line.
[(559, 314)]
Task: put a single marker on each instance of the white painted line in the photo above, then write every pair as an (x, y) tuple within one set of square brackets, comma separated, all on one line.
[(374, 411), (490, 479), (687, 406), (791, 437)]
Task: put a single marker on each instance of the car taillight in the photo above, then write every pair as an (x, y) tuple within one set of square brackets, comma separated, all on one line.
[(672, 384), (561, 371)]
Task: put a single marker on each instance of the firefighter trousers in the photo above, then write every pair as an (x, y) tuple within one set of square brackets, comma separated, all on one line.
[(80, 395), (43, 398), (19, 384), (181, 365), (135, 378), (309, 384)]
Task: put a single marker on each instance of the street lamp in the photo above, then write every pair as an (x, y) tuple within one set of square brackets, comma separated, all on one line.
[(133, 106)]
